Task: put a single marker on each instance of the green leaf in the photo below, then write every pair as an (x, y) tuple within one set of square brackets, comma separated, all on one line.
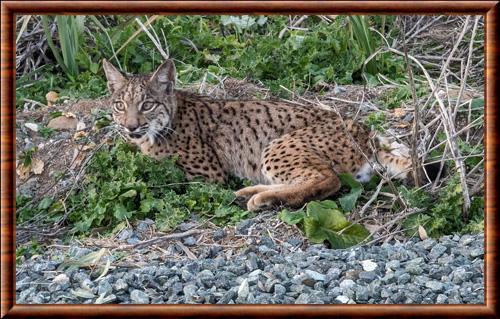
[(348, 202), (411, 223), (291, 218), (324, 221), (55, 114), (45, 203), (477, 103), (261, 20), (121, 212), (147, 204), (84, 225), (350, 236), (321, 218), (322, 205), (130, 193)]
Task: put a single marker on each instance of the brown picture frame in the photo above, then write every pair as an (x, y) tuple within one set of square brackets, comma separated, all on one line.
[(9, 9)]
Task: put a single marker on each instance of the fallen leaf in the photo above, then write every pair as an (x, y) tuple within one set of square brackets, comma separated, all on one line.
[(399, 112), (69, 114), (399, 149), (105, 270), (80, 126), (422, 233), (82, 293), (23, 171), (51, 97), (372, 228), (89, 146), (63, 123), (402, 125), (37, 166), (79, 135), (32, 126)]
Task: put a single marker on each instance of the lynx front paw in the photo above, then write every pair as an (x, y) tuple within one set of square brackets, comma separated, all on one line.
[(258, 202), (253, 190), (243, 193)]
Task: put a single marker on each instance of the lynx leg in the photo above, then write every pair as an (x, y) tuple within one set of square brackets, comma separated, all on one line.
[(252, 190), (294, 195), (299, 175)]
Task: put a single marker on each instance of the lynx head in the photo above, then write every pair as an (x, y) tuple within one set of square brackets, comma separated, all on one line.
[(143, 106)]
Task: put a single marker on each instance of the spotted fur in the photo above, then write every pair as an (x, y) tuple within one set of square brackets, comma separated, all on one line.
[(293, 153)]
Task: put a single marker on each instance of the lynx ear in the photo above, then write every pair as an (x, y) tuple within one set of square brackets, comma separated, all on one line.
[(116, 79), (163, 80)]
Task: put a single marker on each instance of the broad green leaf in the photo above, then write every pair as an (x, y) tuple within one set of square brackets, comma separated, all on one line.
[(324, 221), (261, 20), (84, 225), (321, 217), (45, 203), (291, 218), (147, 204), (350, 236), (121, 212), (477, 103), (348, 202), (348, 180), (321, 205), (130, 193)]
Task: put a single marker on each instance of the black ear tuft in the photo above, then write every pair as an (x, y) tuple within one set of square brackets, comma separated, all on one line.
[(432, 170)]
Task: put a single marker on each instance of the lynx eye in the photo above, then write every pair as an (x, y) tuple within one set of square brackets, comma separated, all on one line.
[(119, 106), (147, 106)]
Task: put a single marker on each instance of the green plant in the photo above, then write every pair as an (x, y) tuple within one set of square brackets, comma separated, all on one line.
[(46, 132), (376, 121), (48, 207), (362, 35), (123, 184), (348, 201), (27, 156), (206, 48), (70, 31), (468, 149), (443, 215), (27, 250), (324, 221), (402, 94)]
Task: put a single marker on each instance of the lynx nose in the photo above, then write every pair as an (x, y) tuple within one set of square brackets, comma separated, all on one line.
[(132, 127)]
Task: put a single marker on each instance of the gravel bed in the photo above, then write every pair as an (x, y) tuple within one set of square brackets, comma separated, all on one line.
[(444, 271)]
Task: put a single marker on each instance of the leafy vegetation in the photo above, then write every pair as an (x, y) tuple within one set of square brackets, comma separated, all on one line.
[(376, 121), (402, 94), (443, 214), (325, 221), (27, 250), (208, 48), (122, 184)]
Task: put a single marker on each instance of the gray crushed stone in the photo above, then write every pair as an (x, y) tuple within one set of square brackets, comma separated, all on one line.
[(449, 270)]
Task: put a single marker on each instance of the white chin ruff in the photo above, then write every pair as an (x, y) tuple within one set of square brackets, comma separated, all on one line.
[(151, 138), (364, 174)]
